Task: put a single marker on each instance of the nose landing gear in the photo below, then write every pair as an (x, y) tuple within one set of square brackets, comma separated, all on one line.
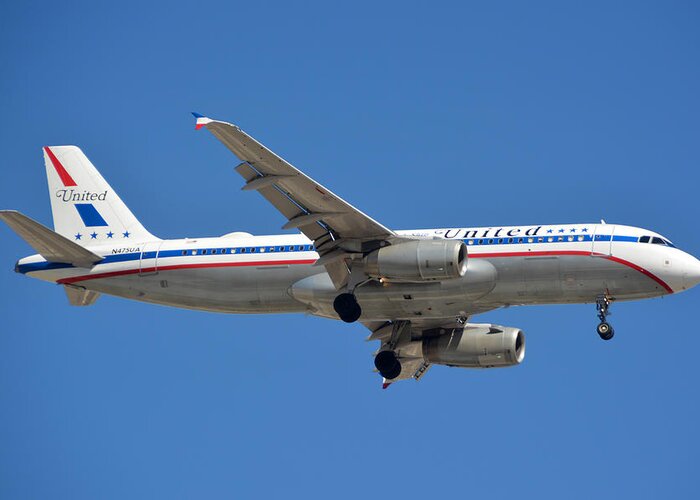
[(604, 329)]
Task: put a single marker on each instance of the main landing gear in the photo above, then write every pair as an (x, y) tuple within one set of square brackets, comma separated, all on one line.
[(387, 364), (347, 307), (604, 329)]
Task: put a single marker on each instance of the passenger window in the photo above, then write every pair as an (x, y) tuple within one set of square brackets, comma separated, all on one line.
[(184, 252), (644, 239)]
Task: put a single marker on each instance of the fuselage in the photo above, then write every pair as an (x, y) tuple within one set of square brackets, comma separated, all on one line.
[(517, 265)]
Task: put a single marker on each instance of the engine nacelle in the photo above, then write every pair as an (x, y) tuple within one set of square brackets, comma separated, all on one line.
[(419, 260), (477, 346)]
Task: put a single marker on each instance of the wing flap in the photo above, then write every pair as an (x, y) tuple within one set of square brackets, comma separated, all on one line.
[(49, 244)]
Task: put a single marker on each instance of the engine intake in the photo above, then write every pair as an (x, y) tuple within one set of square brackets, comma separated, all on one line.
[(419, 260), (477, 346)]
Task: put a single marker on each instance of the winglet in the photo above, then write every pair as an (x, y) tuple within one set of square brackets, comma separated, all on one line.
[(201, 120)]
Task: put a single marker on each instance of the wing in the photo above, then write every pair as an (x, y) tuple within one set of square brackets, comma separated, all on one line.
[(338, 229), (404, 338)]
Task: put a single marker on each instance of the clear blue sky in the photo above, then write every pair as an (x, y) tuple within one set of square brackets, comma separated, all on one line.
[(421, 114)]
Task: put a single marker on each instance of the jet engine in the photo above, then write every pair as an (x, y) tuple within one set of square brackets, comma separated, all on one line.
[(476, 346), (419, 260)]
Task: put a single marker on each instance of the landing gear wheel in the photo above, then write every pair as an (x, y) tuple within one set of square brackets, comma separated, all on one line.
[(347, 307), (605, 331), (388, 364)]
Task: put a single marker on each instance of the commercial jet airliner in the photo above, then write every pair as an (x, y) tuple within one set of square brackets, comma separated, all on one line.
[(414, 290)]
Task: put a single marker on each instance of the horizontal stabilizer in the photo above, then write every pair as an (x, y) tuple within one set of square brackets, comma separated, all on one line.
[(79, 296), (49, 244)]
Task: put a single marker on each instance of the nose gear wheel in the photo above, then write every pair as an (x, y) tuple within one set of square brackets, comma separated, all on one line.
[(604, 329)]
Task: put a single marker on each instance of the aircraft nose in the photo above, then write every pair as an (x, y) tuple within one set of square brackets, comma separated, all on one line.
[(691, 273)]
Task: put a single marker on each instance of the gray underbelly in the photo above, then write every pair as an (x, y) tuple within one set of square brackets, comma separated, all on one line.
[(230, 290)]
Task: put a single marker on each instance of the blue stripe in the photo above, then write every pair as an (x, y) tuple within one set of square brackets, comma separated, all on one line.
[(531, 240), (285, 249), (121, 257), (41, 266), (91, 217), (633, 239)]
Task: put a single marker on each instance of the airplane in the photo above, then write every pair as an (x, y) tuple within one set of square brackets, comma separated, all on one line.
[(414, 290)]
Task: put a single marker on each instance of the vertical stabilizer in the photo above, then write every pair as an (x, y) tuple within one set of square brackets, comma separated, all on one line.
[(85, 208)]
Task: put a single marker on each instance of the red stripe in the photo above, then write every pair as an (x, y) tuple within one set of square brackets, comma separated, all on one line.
[(578, 252), (641, 270), (66, 179), (529, 254), (311, 261), (183, 266)]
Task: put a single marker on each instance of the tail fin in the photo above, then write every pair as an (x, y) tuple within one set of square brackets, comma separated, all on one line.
[(85, 208)]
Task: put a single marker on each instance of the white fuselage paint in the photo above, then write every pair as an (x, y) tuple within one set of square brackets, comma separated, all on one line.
[(273, 274)]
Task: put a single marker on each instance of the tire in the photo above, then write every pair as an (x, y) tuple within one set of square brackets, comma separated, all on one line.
[(388, 364), (605, 331), (347, 308)]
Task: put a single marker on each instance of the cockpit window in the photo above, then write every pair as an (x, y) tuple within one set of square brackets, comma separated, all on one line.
[(669, 243), (658, 241), (644, 239)]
